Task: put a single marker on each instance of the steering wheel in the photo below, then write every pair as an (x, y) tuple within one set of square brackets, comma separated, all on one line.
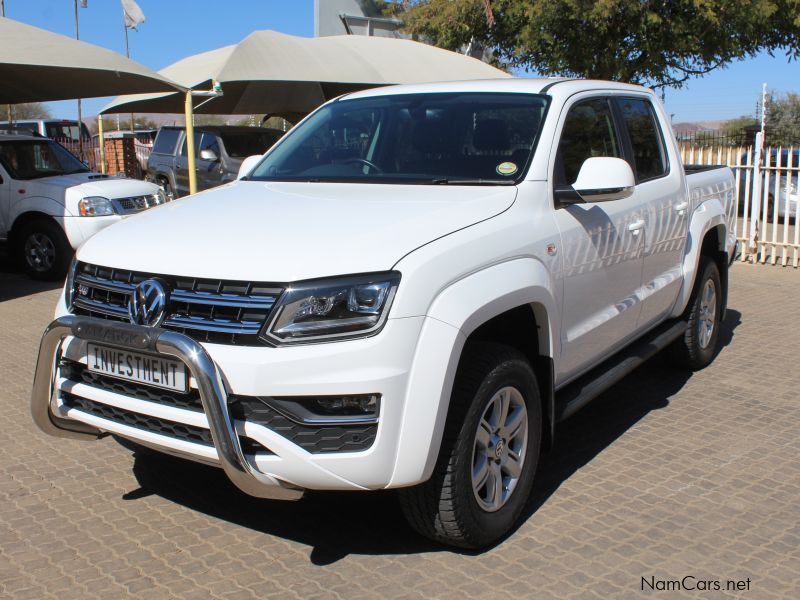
[(362, 161)]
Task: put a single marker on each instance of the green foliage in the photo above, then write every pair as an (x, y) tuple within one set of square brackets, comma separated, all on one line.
[(783, 120), (656, 43), (29, 110)]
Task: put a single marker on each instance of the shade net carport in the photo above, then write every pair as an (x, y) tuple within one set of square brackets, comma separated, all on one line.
[(277, 74), (41, 66)]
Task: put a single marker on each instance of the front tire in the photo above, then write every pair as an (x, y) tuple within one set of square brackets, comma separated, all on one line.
[(43, 251), (697, 347), (487, 461)]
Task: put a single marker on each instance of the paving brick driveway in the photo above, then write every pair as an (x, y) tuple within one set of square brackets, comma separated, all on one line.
[(666, 476)]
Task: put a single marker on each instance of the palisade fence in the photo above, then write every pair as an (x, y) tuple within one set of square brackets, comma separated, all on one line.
[(777, 240), (91, 154)]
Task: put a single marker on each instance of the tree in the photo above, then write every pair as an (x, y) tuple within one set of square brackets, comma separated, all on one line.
[(651, 42), (29, 110), (783, 120)]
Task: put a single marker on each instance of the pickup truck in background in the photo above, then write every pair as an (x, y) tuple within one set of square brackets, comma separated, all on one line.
[(409, 290), (219, 151), (50, 202)]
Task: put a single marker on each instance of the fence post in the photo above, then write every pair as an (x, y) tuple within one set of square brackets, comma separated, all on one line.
[(755, 207)]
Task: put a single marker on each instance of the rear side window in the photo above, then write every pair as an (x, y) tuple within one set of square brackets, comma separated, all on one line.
[(166, 141), (649, 160), (588, 132)]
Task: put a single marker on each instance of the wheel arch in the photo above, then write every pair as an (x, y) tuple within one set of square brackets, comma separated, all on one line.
[(708, 236), (23, 219), (500, 303)]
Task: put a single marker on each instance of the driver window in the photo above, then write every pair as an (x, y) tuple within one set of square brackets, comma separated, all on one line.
[(588, 131)]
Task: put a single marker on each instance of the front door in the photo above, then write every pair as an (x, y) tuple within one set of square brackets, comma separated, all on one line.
[(601, 245)]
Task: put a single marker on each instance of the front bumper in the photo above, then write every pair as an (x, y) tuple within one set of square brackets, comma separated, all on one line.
[(47, 413)]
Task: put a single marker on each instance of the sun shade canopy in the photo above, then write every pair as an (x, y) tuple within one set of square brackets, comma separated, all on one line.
[(40, 66), (275, 73)]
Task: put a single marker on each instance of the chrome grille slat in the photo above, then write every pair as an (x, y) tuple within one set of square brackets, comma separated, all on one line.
[(262, 302), (105, 284), (210, 310), (218, 325), (101, 307)]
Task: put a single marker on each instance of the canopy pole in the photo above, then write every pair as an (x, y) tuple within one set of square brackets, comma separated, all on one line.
[(102, 141), (191, 163)]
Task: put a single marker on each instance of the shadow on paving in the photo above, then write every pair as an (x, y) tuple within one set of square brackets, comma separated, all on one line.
[(16, 284), (337, 524)]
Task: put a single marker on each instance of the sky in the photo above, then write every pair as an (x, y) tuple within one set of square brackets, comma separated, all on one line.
[(178, 28)]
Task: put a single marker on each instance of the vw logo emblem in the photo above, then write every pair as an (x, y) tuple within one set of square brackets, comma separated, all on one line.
[(148, 303)]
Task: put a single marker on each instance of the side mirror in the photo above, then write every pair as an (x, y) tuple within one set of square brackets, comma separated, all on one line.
[(248, 164), (603, 178), (208, 154)]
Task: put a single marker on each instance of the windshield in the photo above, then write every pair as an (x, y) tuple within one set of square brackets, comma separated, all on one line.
[(244, 144), (32, 159), (65, 131), (473, 138)]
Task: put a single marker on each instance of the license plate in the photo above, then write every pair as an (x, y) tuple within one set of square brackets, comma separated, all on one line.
[(158, 371)]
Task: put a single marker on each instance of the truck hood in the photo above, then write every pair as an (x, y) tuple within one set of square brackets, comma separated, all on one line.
[(282, 232), (89, 184)]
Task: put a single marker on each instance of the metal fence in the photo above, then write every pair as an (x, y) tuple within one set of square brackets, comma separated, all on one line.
[(775, 226), (91, 153)]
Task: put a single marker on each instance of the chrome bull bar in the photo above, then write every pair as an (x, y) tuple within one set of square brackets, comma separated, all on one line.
[(213, 395)]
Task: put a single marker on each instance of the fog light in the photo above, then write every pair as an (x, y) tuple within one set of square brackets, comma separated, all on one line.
[(345, 405)]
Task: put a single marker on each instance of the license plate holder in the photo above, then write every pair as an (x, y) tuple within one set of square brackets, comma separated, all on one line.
[(139, 367)]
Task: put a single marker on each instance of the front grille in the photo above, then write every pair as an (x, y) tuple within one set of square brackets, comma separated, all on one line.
[(316, 439), (208, 310), (165, 427), (180, 431), (136, 204)]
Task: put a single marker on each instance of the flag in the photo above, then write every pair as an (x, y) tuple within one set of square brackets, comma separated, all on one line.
[(133, 14), (84, 3)]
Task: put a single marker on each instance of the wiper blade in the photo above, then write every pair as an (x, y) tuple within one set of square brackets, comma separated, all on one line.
[(458, 181)]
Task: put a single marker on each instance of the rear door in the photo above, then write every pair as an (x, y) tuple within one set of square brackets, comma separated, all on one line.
[(660, 191), (601, 243)]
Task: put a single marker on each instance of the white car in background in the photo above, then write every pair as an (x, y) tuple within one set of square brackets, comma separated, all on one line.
[(50, 202)]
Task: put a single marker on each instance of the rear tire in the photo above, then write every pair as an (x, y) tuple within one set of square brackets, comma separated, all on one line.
[(473, 498), (42, 250), (697, 347)]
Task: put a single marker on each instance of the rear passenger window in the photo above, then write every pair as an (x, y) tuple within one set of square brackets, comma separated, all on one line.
[(588, 132), (649, 161), (166, 140)]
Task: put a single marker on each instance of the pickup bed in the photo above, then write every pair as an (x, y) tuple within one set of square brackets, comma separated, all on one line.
[(408, 291)]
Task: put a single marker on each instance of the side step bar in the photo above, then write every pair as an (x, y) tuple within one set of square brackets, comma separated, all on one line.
[(574, 396)]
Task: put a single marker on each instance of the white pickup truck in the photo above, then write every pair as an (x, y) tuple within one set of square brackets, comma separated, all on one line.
[(410, 290), (50, 202)]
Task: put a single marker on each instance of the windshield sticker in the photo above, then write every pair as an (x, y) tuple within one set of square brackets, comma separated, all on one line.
[(506, 168)]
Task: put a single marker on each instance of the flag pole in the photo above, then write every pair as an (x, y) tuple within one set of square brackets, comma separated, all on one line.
[(80, 116), (127, 53)]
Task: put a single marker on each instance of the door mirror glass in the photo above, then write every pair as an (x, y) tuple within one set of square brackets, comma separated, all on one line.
[(209, 155), (248, 164), (604, 178)]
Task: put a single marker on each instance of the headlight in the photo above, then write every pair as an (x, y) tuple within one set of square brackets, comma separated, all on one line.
[(69, 286), (332, 309), (160, 197), (96, 206)]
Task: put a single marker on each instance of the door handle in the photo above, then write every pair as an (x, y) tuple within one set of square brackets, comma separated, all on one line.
[(681, 208), (636, 226)]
